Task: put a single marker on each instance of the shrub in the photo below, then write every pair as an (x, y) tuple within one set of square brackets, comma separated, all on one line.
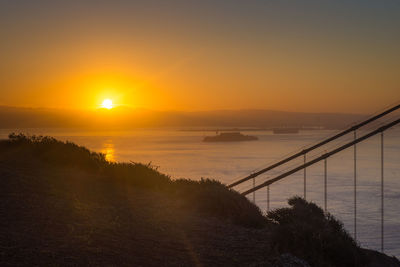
[(51, 150), (138, 174), (217, 199), (307, 232)]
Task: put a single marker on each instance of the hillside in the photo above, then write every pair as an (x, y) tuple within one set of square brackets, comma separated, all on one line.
[(62, 204)]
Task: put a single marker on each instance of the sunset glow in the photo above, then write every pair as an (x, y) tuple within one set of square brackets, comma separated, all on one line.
[(107, 103), (291, 66), (137, 128)]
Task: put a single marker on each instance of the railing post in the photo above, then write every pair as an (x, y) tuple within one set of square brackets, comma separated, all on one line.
[(254, 193), (325, 184), (382, 196), (355, 187), (305, 177), (267, 198)]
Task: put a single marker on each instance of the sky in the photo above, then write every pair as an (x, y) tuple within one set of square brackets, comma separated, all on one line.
[(306, 56)]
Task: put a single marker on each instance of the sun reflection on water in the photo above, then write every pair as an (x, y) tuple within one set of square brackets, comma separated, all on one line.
[(108, 150)]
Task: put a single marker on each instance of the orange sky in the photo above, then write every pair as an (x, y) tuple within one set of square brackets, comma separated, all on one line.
[(190, 56)]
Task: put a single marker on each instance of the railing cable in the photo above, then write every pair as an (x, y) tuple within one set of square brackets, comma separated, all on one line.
[(382, 194), (324, 156), (355, 187), (306, 150)]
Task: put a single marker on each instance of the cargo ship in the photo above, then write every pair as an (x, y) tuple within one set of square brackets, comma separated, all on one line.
[(229, 137), (285, 130)]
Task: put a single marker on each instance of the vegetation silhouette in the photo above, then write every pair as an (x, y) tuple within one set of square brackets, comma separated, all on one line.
[(206, 195), (304, 229), (62, 204)]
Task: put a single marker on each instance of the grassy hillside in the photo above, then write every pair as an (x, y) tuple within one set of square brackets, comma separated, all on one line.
[(48, 152), (62, 204)]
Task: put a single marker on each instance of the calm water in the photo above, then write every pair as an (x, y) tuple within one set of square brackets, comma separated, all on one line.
[(182, 155)]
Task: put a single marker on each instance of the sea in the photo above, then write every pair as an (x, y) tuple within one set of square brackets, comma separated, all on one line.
[(180, 153)]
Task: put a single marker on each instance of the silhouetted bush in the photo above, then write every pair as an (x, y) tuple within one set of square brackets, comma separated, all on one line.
[(307, 232), (215, 198), (137, 174), (50, 150)]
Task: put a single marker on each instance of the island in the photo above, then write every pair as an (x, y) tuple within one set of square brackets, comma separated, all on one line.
[(230, 137), (285, 130)]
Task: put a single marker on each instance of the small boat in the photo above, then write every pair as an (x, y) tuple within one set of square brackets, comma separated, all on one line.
[(229, 137), (285, 130)]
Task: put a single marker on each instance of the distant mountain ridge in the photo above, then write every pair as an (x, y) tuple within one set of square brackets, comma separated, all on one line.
[(127, 118)]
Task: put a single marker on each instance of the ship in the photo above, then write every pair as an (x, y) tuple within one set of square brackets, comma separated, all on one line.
[(230, 137), (285, 130)]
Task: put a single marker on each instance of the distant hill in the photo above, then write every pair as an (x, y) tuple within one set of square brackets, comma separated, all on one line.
[(127, 118)]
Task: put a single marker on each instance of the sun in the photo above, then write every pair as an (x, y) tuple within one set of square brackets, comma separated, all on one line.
[(107, 103)]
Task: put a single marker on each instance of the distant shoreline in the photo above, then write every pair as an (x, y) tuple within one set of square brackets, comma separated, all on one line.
[(258, 120), (247, 129)]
